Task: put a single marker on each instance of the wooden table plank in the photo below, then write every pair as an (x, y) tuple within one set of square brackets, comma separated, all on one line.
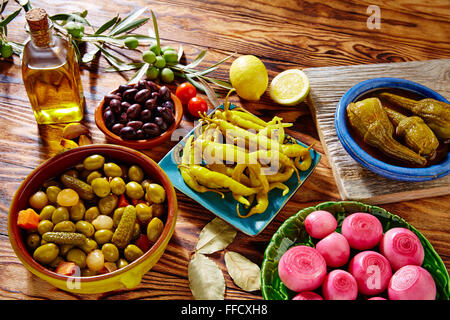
[(284, 34)]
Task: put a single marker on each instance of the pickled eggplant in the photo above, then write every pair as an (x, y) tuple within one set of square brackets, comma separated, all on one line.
[(436, 114), (371, 122), (416, 133)]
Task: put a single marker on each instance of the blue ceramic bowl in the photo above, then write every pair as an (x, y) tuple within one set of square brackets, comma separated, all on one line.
[(356, 152)]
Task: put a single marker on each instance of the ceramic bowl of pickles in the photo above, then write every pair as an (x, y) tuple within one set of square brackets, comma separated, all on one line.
[(93, 219), (140, 115), (396, 128)]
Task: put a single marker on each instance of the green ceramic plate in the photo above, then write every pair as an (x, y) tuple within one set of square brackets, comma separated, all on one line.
[(292, 233)]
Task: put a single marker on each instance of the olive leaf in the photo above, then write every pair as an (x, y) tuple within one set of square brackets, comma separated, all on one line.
[(108, 24), (215, 236), (125, 23), (156, 32), (9, 18), (138, 75), (206, 280), (245, 274)]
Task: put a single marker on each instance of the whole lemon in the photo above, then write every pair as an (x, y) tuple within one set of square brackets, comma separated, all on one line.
[(248, 76)]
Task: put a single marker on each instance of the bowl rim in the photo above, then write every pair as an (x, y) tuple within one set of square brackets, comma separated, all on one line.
[(139, 144), (15, 233), (368, 161)]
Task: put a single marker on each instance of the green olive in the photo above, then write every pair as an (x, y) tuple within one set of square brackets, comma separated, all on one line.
[(107, 204), (131, 42), (72, 172), (155, 193), (94, 162), (101, 187), (143, 213), (86, 272), (55, 262), (136, 231), (132, 252), (91, 214), (89, 245), (38, 200), (52, 182), (77, 211), (157, 209), (60, 214), (65, 248), (33, 240), (46, 212), (92, 175), (117, 186), (122, 263), (134, 190), (85, 228), (117, 215), (46, 253), (52, 193), (145, 183), (103, 236), (110, 252), (77, 256), (85, 173), (154, 229), (135, 173), (64, 226), (79, 167), (45, 226), (112, 170)]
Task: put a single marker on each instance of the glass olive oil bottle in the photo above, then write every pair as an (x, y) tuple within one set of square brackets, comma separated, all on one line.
[(50, 73)]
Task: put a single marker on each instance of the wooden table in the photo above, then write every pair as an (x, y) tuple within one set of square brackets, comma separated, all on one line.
[(284, 34)]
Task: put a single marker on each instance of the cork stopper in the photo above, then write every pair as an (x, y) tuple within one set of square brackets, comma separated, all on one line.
[(38, 24)]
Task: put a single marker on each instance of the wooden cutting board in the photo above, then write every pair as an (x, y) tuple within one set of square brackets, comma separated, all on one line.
[(354, 181)]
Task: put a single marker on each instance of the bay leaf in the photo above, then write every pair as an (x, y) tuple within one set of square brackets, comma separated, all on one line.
[(245, 273), (215, 236), (206, 280)]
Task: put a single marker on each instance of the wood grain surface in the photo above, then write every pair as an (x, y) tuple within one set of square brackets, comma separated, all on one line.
[(284, 34), (355, 182)]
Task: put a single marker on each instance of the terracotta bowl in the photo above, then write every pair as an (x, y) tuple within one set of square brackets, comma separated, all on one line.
[(139, 144), (127, 277)]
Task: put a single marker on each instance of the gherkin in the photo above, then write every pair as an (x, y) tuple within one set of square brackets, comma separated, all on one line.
[(124, 231)]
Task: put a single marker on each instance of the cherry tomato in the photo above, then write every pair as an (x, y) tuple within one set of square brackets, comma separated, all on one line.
[(196, 105), (185, 92)]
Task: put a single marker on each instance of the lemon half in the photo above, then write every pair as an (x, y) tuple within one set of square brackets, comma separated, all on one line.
[(290, 87)]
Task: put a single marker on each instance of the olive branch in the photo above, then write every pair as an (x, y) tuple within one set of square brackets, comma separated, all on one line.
[(108, 40)]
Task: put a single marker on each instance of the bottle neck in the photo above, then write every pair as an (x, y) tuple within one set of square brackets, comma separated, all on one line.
[(42, 38)]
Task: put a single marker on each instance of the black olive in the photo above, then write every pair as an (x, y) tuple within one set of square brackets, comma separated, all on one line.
[(146, 115), (134, 111), (116, 106), (142, 95), (164, 93), (116, 128), (128, 133), (108, 117), (129, 94), (151, 129), (135, 124)]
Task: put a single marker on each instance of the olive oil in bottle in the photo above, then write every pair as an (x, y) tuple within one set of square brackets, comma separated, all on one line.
[(50, 73)]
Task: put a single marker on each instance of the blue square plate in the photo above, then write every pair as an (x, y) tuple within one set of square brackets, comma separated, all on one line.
[(226, 208)]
